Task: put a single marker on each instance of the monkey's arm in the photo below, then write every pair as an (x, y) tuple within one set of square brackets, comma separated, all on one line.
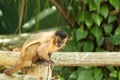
[(43, 51)]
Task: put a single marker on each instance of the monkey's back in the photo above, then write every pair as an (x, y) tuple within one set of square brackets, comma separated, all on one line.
[(38, 38)]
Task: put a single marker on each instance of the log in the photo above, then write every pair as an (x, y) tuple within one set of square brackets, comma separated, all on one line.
[(8, 58), (86, 58), (17, 77)]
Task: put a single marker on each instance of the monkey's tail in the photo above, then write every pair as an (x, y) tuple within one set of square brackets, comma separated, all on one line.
[(18, 65)]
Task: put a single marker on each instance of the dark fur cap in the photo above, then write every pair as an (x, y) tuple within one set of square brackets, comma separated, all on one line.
[(61, 33)]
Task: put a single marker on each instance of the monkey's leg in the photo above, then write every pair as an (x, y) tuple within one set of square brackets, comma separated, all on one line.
[(17, 66)]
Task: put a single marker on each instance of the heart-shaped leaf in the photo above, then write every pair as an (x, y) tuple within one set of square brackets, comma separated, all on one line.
[(100, 40), (88, 21), (97, 18), (85, 74), (81, 34), (104, 11), (98, 74), (115, 3), (117, 31), (111, 18), (115, 39), (92, 6), (96, 31), (107, 28), (88, 46)]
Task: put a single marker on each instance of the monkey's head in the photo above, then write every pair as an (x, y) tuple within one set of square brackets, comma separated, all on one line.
[(60, 38)]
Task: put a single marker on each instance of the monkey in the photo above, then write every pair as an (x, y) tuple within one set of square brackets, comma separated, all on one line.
[(39, 46)]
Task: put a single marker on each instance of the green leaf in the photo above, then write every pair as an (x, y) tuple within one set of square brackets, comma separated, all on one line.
[(117, 31), (92, 6), (96, 31), (100, 50), (81, 34), (115, 39), (97, 19), (97, 1), (70, 47), (113, 74), (110, 68), (81, 16), (111, 18), (100, 40), (115, 3), (86, 1), (88, 20), (107, 28), (88, 46), (80, 45), (104, 11), (60, 78), (85, 74), (73, 76), (98, 74), (97, 4)]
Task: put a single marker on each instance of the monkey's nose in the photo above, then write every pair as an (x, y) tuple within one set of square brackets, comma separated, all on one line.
[(58, 45)]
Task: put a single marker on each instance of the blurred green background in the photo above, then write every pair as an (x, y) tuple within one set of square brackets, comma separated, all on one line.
[(92, 25)]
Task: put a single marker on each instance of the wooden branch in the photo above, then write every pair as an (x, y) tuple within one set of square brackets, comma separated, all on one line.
[(63, 12), (115, 12), (17, 77), (87, 59), (8, 58), (13, 39), (70, 58)]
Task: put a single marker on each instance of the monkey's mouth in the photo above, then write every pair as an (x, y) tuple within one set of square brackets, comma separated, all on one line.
[(58, 45)]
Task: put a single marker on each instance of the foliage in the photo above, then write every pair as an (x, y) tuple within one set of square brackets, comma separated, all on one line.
[(37, 15), (96, 28)]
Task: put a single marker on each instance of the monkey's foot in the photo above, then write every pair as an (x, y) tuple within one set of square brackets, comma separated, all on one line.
[(51, 63), (7, 72), (45, 62)]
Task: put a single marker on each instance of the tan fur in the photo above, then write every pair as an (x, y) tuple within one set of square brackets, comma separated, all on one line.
[(38, 46)]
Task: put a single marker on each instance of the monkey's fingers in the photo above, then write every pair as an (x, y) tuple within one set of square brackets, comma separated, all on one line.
[(52, 64)]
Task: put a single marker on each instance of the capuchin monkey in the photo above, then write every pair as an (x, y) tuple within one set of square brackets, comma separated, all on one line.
[(39, 46)]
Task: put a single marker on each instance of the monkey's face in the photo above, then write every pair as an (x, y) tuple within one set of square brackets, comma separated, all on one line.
[(60, 38), (59, 42)]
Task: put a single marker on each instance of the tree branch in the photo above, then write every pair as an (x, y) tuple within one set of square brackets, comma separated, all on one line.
[(70, 58), (63, 12), (17, 77)]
